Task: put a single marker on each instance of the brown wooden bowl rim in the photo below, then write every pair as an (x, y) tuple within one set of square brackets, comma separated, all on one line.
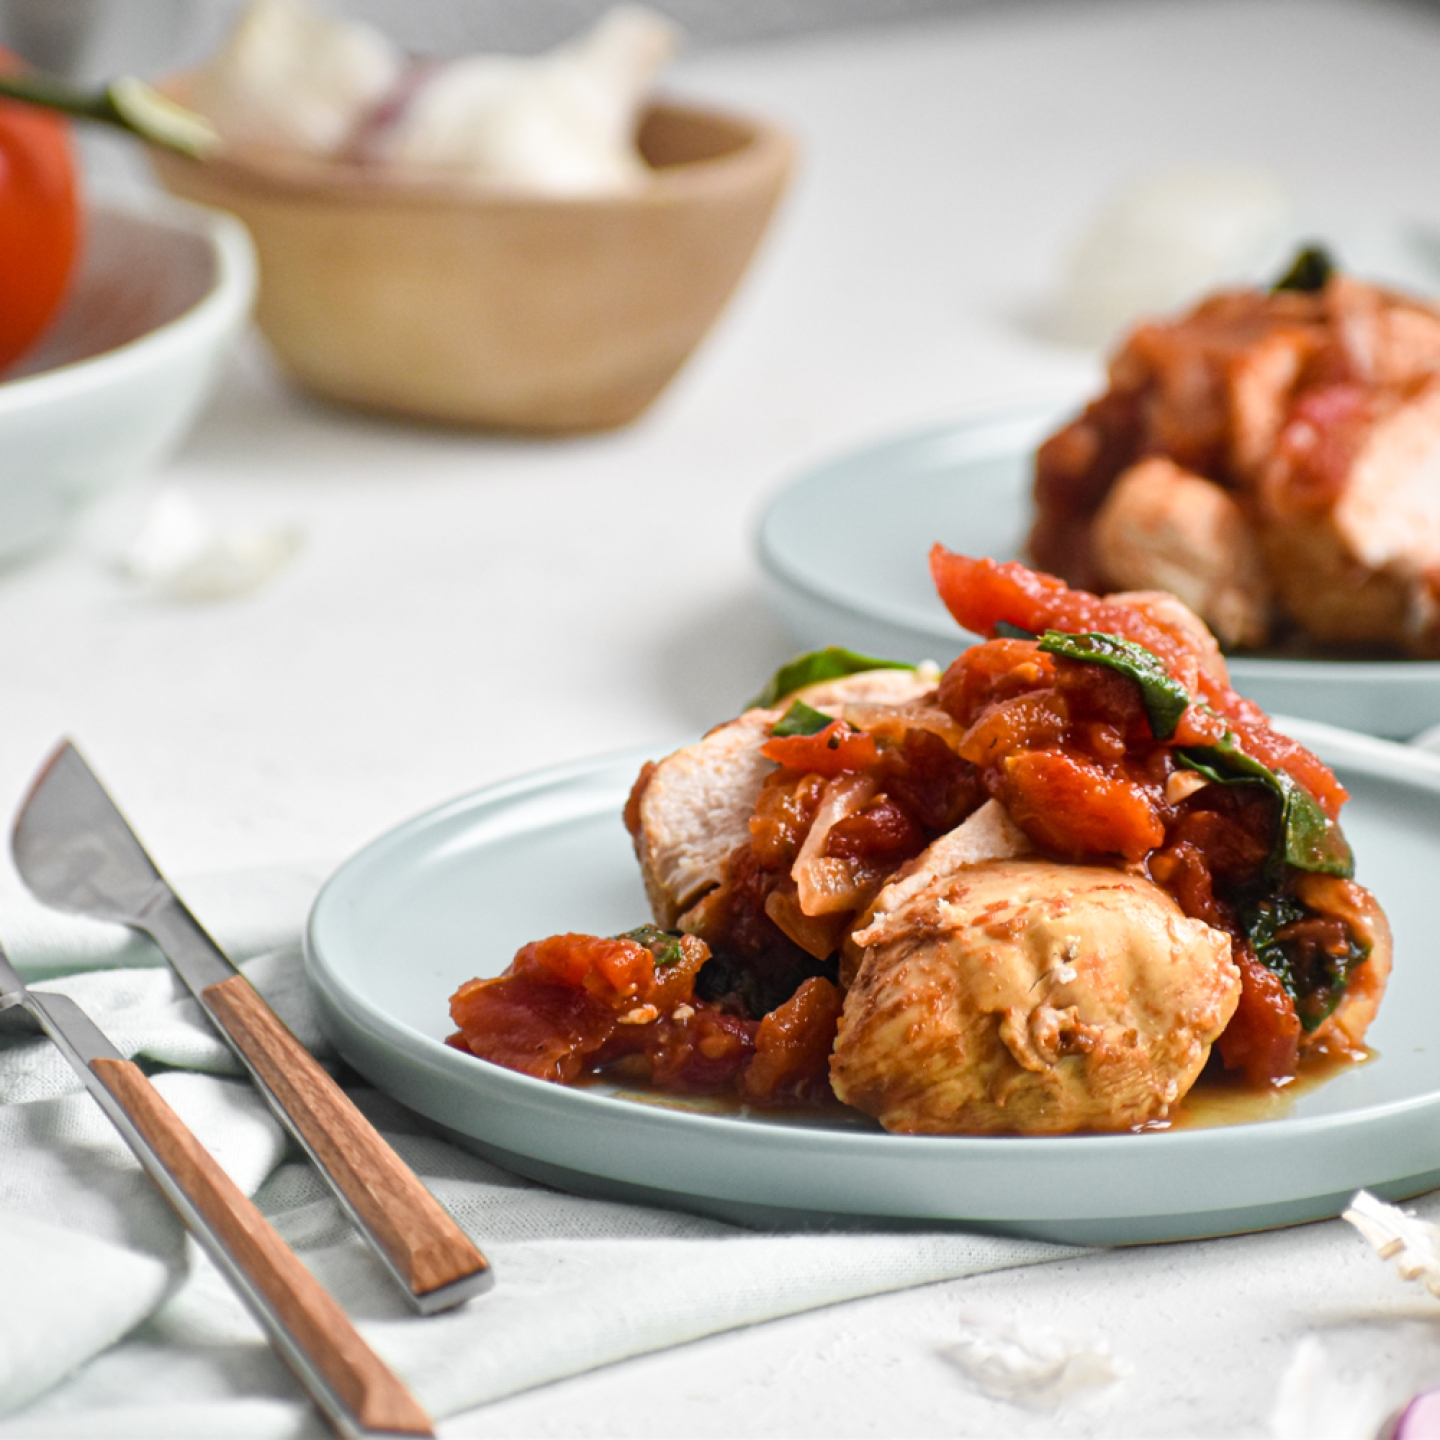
[(765, 152)]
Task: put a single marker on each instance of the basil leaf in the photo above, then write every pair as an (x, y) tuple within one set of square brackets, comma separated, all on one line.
[(663, 945), (1165, 698), (1314, 979), (800, 719), (1308, 840), (818, 665), (1004, 630), (1309, 271)]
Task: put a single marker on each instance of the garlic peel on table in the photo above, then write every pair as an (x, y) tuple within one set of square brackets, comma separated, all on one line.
[(561, 123), (182, 554), (1413, 1244)]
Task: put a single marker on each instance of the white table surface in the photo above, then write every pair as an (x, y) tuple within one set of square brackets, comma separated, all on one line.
[(468, 608)]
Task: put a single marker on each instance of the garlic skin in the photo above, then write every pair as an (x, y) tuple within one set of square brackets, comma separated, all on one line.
[(292, 78), (181, 554), (1029, 1366), (557, 124)]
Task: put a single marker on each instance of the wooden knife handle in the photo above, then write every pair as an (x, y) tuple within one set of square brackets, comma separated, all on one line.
[(313, 1322), (426, 1247)]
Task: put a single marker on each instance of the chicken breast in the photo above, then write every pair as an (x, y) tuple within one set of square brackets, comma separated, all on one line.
[(988, 834), (1162, 528), (1273, 457), (1352, 529), (1028, 997), (692, 809)]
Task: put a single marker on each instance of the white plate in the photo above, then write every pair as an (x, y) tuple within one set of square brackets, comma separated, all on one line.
[(843, 550), (454, 893)]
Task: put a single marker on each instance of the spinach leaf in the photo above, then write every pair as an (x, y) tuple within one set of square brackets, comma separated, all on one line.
[(1165, 698), (800, 719), (830, 664), (1313, 977), (1004, 630), (663, 945), (757, 986), (1309, 271), (1307, 839)]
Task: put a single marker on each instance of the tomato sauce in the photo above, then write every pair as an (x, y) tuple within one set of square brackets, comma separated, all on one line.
[(576, 1004)]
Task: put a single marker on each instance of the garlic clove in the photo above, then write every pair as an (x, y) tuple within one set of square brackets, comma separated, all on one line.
[(560, 124)]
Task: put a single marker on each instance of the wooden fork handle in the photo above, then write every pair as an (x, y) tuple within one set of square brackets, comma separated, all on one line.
[(430, 1254), (310, 1330)]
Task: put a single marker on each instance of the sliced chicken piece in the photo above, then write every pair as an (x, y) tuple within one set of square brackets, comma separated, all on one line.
[(1386, 339), (692, 810), (1350, 520), (1029, 997), (1162, 528), (1389, 510), (1260, 380)]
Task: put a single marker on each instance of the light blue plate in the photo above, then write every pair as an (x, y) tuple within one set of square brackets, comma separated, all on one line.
[(844, 548), (455, 892)]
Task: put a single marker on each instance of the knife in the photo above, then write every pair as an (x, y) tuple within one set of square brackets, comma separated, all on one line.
[(76, 852), (348, 1382)]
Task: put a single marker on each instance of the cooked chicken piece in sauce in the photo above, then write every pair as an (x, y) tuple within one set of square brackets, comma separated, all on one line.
[(1162, 528), (692, 810), (1030, 997), (1302, 431), (1349, 513), (988, 834)]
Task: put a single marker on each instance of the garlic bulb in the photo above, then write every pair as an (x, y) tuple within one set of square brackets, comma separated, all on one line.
[(558, 124), (561, 123), (293, 78)]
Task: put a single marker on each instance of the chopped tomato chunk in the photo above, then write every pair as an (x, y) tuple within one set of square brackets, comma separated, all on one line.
[(793, 1044), (1077, 809), (548, 1031), (981, 594), (1263, 1036), (833, 751)]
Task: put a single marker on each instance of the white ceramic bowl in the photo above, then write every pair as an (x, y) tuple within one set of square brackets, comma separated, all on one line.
[(161, 289)]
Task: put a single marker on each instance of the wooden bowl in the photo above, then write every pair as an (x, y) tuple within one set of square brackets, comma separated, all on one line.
[(489, 307)]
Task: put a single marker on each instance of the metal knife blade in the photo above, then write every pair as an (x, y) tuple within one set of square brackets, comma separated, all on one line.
[(76, 852), (348, 1382)]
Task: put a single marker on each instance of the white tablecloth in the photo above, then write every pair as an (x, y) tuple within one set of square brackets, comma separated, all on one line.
[(449, 580), (111, 1323)]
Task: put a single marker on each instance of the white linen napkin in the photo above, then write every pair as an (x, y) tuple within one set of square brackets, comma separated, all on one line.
[(113, 1323)]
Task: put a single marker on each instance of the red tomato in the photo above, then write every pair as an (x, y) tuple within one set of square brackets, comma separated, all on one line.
[(39, 220)]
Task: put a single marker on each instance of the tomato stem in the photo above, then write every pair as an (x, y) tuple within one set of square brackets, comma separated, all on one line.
[(127, 103)]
